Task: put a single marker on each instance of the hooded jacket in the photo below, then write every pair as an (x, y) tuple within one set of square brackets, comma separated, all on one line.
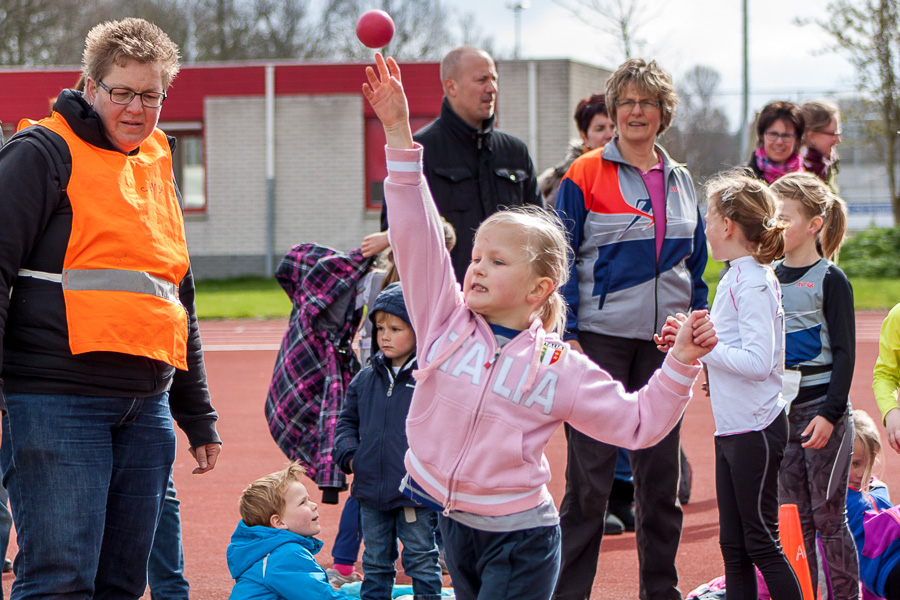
[(481, 416), (276, 564), (472, 174), (372, 427), (35, 227), (876, 561), (315, 362)]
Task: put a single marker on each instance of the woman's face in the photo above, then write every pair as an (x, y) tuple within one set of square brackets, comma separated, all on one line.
[(126, 125), (599, 132), (779, 141), (824, 140), (637, 124)]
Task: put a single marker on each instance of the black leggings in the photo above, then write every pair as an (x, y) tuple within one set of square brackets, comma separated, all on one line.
[(747, 493)]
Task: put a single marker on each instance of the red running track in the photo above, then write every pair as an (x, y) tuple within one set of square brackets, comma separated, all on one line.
[(240, 356)]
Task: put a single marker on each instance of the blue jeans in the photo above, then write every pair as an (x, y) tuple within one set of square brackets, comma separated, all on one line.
[(381, 529), (165, 570), (86, 477)]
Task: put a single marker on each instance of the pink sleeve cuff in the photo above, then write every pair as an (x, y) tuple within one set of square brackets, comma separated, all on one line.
[(680, 374), (404, 166)]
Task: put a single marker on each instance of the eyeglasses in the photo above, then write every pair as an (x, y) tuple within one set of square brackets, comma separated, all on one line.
[(628, 105), (774, 136), (125, 96), (836, 133)]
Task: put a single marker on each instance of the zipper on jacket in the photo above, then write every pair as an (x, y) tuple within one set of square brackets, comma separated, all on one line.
[(479, 412)]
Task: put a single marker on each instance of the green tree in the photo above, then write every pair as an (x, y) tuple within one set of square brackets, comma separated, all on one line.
[(868, 32)]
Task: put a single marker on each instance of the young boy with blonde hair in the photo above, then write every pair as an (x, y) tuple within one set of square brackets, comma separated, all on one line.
[(271, 550)]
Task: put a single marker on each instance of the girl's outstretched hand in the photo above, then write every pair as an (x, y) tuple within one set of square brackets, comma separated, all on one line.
[(384, 91), (695, 338)]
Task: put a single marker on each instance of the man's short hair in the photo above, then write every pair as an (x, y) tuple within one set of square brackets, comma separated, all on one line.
[(451, 61), (265, 496), (648, 78)]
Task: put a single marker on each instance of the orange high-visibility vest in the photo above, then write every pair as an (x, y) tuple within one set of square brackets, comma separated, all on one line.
[(127, 251)]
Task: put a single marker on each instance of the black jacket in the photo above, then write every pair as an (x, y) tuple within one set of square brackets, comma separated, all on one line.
[(35, 225), (372, 432), (472, 175)]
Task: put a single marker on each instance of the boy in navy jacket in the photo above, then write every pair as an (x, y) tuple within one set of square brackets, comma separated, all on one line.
[(371, 442)]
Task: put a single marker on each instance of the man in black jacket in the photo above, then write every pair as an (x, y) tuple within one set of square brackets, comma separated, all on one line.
[(472, 169)]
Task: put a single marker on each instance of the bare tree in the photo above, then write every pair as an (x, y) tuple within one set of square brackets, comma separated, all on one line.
[(700, 135), (622, 19), (868, 32)]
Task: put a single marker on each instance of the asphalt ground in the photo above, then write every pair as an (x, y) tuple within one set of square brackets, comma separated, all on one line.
[(239, 358)]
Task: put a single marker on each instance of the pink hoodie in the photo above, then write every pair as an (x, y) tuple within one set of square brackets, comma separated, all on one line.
[(481, 416)]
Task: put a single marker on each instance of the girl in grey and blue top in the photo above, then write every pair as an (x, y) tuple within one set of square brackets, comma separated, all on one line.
[(819, 355)]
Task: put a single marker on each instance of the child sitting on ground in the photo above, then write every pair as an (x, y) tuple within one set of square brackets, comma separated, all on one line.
[(271, 551), (869, 511), (371, 443)]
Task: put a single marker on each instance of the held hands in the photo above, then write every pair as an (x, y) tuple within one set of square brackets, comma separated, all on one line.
[(385, 93), (687, 337)]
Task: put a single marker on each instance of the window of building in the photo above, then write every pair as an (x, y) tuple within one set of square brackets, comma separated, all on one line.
[(189, 164)]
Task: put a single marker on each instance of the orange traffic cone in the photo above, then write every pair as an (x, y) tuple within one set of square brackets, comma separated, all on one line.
[(794, 549)]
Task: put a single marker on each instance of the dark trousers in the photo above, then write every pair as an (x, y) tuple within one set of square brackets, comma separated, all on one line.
[(747, 493), (507, 565), (589, 476)]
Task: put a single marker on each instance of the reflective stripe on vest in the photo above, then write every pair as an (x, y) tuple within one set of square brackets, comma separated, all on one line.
[(806, 339), (115, 280), (126, 253)]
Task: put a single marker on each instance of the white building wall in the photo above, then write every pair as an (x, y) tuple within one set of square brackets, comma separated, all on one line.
[(319, 181)]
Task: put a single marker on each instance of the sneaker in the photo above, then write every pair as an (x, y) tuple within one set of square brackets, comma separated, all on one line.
[(613, 525), (337, 580)]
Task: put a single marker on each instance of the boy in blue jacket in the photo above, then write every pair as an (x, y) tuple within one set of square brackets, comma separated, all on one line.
[(370, 442), (271, 552)]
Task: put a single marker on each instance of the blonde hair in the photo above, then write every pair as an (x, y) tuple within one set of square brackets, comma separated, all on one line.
[(817, 199), (117, 42), (265, 496), (548, 254), (866, 433), (387, 258), (648, 78), (750, 204)]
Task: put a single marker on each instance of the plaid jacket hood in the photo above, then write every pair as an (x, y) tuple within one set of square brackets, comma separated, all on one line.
[(315, 363)]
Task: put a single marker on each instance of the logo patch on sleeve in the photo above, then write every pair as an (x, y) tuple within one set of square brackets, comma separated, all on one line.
[(552, 352)]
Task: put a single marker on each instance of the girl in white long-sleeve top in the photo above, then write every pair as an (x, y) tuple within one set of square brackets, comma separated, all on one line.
[(745, 381)]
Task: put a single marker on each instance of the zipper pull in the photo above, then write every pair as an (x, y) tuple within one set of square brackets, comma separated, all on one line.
[(489, 363), (390, 388)]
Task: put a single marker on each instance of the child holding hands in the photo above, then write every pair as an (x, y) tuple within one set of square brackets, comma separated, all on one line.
[(496, 381), (745, 381)]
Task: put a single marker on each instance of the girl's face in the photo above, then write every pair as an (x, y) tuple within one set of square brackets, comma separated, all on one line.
[(858, 465), (715, 231), (500, 277), (599, 132), (798, 235)]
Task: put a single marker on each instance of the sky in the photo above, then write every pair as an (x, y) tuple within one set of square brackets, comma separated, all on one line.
[(787, 61)]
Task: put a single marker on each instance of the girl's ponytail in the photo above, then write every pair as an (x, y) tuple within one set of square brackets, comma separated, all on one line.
[(834, 228), (749, 204), (554, 312)]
